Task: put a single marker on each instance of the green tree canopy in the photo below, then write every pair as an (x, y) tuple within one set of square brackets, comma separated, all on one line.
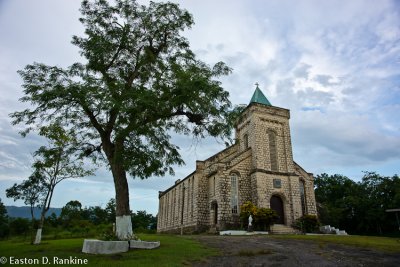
[(4, 229), (358, 207), (52, 164), (138, 82)]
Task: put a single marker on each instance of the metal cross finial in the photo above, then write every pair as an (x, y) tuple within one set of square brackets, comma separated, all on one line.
[(257, 84)]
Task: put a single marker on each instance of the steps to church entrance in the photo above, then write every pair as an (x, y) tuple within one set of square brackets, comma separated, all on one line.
[(281, 229)]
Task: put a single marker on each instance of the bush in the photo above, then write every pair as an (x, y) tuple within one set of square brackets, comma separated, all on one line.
[(263, 218), (19, 226), (307, 223)]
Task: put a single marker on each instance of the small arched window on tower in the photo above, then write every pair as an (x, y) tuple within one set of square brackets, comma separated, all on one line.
[(246, 141), (234, 193), (303, 197), (272, 150)]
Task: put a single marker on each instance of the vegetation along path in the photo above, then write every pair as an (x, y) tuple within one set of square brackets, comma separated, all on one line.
[(301, 251)]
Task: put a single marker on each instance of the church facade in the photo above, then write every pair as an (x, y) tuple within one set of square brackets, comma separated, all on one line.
[(259, 168)]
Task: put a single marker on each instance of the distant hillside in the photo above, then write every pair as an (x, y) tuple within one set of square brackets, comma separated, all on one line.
[(25, 212)]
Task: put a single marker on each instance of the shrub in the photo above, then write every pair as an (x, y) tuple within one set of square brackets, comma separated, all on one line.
[(263, 218), (307, 223)]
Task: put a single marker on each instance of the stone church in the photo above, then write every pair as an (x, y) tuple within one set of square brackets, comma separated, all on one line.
[(259, 168)]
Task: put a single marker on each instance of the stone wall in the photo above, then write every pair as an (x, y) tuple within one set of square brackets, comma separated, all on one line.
[(193, 202), (179, 205)]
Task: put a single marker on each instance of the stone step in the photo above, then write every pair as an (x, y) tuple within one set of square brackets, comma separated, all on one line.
[(327, 229), (213, 230), (282, 229)]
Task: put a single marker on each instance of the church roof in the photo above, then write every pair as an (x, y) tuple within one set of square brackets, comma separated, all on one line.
[(259, 97)]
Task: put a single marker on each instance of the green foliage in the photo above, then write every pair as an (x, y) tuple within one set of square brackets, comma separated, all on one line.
[(52, 164), (142, 221), (139, 83), (30, 190), (71, 211), (358, 207), (4, 228), (263, 217), (247, 209), (110, 210), (53, 220), (307, 223), (73, 216), (19, 226)]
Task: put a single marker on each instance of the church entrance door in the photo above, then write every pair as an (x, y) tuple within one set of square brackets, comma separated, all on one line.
[(277, 205), (214, 208), (216, 214)]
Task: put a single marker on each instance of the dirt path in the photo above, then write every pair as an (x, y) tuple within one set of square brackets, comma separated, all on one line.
[(267, 251)]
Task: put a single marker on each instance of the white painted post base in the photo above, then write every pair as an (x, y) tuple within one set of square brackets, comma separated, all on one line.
[(124, 227), (94, 246), (38, 238)]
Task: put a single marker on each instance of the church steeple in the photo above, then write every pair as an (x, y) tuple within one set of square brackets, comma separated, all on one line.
[(259, 97)]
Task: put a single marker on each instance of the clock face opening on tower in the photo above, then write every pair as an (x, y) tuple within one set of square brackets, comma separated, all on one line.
[(277, 183)]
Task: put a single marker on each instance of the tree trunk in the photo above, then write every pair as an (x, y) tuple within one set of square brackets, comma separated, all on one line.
[(33, 224), (38, 238), (123, 217)]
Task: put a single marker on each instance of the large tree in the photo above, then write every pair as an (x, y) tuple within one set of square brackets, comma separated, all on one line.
[(139, 83)]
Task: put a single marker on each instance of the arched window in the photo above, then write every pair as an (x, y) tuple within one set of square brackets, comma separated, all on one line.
[(192, 194), (234, 193), (246, 141), (303, 197), (214, 186), (272, 150)]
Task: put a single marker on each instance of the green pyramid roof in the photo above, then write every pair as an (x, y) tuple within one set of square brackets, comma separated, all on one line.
[(259, 97)]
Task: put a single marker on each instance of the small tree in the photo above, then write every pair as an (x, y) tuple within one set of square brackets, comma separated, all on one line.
[(110, 209), (141, 220), (71, 211), (30, 191), (53, 164), (4, 228)]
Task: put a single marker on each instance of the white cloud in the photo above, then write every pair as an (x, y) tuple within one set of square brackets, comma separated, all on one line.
[(335, 64)]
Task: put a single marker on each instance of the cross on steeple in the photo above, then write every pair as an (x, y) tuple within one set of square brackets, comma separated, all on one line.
[(257, 84)]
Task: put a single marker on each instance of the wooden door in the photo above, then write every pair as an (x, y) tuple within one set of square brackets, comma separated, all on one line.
[(277, 205)]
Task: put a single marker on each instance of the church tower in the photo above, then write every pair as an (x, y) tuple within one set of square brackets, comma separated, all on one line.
[(259, 168), (265, 130)]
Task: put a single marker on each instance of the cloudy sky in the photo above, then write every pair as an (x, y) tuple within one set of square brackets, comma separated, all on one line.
[(334, 64)]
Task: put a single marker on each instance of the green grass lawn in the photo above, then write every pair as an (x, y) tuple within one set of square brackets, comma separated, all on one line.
[(388, 244), (174, 251)]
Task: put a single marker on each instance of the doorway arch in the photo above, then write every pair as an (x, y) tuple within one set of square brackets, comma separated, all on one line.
[(214, 209), (276, 204)]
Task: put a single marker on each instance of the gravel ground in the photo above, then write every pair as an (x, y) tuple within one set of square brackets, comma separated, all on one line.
[(267, 251)]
